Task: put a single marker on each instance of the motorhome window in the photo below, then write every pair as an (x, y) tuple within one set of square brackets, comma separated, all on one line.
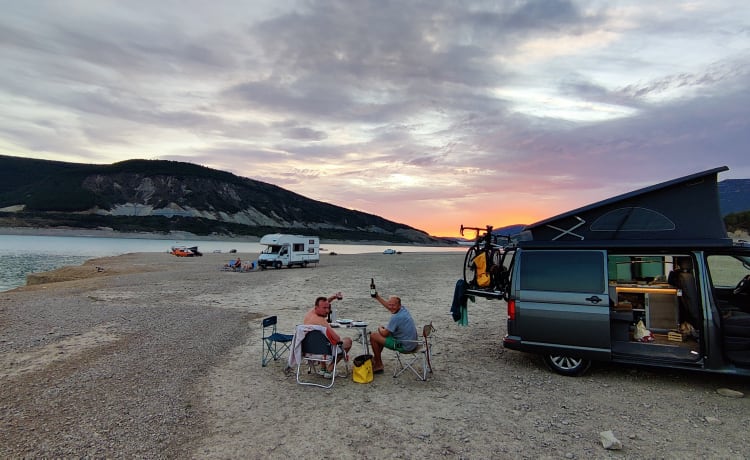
[(619, 268), (298, 247), (726, 271), (562, 271), (649, 268), (636, 268), (632, 219)]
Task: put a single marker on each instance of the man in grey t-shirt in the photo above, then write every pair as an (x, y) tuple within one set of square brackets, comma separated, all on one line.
[(400, 333)]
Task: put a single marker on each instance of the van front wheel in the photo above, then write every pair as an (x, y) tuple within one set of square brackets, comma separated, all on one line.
[(566, 365)]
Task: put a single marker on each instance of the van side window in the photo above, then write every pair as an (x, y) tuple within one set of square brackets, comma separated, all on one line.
[(562, 271)]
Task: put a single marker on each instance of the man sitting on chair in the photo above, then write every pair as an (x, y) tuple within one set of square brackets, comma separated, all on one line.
[(400, 327), (318, 315)]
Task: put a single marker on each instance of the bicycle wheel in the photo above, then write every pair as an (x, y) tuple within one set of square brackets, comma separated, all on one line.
[(470, 270)]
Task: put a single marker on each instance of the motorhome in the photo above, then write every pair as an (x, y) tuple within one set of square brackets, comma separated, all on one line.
[(288, 250), (648, 278)]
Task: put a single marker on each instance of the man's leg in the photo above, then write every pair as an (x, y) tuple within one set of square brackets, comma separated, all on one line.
[(377, 342), (347, 345)]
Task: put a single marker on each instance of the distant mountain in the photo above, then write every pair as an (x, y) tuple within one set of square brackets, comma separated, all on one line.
[(163, 196), (509, 230), (734, 196)]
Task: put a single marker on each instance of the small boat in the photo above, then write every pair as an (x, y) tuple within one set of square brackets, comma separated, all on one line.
[(184, 251)]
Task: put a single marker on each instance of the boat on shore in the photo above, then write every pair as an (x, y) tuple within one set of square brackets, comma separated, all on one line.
[(184, 251)]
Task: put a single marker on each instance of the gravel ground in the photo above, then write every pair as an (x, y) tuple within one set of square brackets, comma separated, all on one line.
[(159, 357), (105, 366)]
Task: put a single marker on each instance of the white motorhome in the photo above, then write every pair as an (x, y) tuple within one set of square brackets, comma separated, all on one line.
[(289, 250)]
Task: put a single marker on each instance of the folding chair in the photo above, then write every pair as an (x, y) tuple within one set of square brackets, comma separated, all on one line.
[(316, 350), (274, 343), (419, 360)]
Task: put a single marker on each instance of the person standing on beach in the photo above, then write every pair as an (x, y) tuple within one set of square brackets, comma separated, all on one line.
[(400, 334), (318, 315)]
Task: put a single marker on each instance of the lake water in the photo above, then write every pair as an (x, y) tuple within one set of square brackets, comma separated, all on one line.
[(21, 255)]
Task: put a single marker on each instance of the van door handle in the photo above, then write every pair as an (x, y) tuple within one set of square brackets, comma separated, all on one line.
[(594, 299)]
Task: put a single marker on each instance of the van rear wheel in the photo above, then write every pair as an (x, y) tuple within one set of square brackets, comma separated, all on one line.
[(566, 365)]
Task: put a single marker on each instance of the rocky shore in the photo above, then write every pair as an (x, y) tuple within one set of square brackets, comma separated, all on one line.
[(153, 356)]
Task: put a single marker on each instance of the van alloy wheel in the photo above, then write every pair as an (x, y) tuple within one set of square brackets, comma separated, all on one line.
[(566, 365)]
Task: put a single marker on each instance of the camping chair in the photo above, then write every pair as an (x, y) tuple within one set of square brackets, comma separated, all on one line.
[(418, 360), (274, 343), (316, 350)]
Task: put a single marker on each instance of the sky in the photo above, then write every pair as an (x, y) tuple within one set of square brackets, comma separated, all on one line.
[(434, 113)]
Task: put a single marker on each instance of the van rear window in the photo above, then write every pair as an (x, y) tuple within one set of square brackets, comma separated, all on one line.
[(563, 271)]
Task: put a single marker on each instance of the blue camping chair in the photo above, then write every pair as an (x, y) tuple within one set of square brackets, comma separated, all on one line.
[(275, 344)]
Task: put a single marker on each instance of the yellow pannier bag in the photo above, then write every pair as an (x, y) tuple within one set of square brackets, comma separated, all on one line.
[(483, 277)]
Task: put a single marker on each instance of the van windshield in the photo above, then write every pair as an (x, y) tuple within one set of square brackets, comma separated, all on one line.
[(727, 270), (271, 249)]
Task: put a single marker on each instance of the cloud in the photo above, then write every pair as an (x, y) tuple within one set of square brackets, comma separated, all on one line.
[(436, 110)]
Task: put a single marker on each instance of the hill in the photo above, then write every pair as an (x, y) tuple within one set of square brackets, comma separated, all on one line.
[(164, 196), (734, 196)]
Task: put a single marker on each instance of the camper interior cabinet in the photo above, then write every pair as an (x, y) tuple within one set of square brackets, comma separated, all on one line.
[(657, 305)]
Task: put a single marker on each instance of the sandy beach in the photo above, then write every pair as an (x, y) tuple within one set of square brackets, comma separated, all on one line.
[(154, 356)]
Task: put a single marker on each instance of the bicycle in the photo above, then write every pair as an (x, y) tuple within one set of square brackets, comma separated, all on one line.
[(493, 275)]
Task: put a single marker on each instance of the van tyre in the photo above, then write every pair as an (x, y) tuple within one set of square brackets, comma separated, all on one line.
[(277, 265), (566, 365)]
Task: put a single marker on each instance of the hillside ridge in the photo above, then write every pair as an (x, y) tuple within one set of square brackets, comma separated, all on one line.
[(164, 196)]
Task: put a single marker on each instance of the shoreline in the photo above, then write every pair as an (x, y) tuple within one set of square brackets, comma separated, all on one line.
[(109, 233)]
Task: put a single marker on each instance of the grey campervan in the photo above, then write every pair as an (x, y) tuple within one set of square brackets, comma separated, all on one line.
[(640, 278)]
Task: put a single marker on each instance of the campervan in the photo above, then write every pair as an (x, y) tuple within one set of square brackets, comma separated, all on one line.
[(645, 278), (288, 250)]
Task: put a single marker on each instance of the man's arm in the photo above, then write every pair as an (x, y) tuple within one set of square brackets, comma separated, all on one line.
[(381, 300), (383, 331), (334, 297)]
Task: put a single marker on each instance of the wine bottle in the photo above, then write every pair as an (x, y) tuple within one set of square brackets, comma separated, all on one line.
[(373, 292)]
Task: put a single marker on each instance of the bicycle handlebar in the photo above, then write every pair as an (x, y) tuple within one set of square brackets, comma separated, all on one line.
[(487, 229)]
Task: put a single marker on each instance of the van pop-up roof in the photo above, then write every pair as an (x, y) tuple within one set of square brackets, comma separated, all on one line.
[(679, 212)]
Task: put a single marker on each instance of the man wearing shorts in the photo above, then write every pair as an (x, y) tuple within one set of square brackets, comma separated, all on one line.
[(400, 333)]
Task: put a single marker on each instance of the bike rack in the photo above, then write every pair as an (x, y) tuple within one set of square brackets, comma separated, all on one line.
[(485, 294)]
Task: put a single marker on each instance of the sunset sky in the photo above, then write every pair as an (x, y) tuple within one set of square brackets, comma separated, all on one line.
[(430, 113)]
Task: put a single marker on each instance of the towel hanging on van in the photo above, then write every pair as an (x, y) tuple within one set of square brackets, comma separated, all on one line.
[(459, 311)]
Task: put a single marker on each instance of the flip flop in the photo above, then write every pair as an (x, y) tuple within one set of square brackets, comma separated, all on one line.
[(378, 371)]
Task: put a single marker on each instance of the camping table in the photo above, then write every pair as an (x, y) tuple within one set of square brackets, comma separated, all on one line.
[(362, 328)]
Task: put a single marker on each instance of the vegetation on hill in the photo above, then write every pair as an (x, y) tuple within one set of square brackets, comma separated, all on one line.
[(738, 221), (205, 201)]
